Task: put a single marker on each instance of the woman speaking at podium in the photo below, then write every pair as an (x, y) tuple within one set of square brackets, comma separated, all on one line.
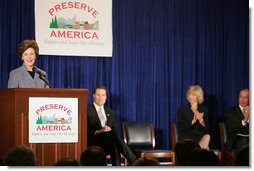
[(27, 75)]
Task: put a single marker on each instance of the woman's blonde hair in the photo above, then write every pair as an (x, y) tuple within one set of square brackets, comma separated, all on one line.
[(197, 91)]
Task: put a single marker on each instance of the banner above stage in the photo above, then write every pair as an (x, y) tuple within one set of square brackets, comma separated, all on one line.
[(74, 28)]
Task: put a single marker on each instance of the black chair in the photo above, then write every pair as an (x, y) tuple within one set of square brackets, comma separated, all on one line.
[(174, 134), (141, 139), (175, 138), (223, 135)]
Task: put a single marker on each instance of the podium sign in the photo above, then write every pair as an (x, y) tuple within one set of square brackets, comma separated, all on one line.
[(50, 109), (53, 120)]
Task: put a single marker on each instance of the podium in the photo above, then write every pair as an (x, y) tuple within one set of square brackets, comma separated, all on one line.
[(14, 125)]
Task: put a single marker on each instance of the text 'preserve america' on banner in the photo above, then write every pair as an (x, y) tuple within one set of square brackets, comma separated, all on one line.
[(74, 28)]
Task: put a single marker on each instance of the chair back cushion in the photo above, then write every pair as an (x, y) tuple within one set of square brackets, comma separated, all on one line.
[(174, 134), (139, 135), (223, 134)]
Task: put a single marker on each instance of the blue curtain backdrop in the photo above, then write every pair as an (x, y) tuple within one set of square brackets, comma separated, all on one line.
[(160, 48)]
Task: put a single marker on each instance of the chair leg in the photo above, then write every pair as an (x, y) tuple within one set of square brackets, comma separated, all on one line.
[(123, 160)]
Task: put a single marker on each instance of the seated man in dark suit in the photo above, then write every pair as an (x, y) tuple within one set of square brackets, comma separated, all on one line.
[(102, 129), (237, 122)]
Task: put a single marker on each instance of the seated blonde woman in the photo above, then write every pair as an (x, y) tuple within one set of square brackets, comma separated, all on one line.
[(193, 118)]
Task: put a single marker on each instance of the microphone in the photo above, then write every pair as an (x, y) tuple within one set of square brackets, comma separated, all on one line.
[(38, 71), (41, 75)]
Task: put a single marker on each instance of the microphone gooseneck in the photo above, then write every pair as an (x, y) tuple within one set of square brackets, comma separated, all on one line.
[(38, 71), (42, 76)]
